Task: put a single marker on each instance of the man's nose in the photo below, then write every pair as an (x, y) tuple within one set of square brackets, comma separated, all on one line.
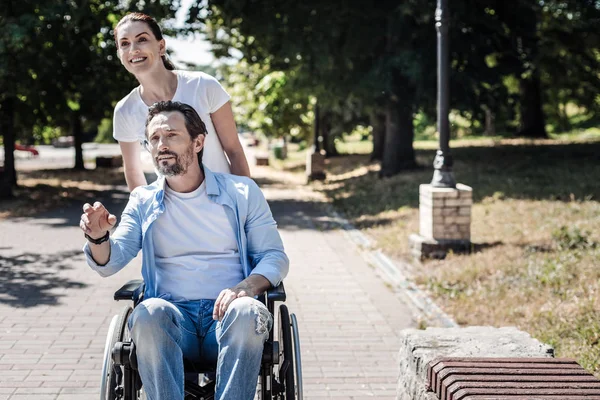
[(162, 143)]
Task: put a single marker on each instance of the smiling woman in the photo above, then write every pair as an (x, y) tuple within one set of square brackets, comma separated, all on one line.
[(142, 51)]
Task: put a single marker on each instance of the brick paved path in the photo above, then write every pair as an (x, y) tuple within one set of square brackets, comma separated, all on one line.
[(55, 311)]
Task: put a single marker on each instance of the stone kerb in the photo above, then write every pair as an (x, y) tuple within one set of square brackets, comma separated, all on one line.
[(419, 347)]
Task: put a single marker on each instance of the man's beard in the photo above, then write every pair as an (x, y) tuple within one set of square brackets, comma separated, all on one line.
[(179, 167)]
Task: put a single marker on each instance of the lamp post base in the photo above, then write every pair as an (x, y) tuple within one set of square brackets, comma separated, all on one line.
[(315, 165), (443, 179), (442, 170)]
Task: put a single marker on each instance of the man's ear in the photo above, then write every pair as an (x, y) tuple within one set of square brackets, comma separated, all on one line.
[(199, 143)]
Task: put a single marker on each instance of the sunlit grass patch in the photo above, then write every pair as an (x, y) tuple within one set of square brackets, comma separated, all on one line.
[(535, 232)]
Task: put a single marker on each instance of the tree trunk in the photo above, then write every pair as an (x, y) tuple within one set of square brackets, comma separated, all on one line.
[(532, 123), (378, 124), (564, 125), (284, 147), (490, 122), (77, 132), (398, 151), (328, 137), (8, 177)]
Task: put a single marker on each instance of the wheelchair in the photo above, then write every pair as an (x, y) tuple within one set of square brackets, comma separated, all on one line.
[(280, 374)]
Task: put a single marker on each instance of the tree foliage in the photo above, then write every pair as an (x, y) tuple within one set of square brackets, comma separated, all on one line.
[(59, 69), (268, 101), (521, 64)]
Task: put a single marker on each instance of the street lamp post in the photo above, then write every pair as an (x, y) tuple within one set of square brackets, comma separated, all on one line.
[(444, 206), (315, 158), (442, 164), (317, 129)]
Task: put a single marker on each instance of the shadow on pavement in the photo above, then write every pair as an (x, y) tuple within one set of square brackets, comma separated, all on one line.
[(29, 279), (69, 216), (297, 214)]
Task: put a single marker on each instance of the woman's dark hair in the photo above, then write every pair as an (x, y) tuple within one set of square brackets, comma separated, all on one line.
[(151, 22), (193, 123)]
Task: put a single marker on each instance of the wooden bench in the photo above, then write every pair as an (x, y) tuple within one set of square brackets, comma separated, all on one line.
[(262, 159), (477, 378), (109, 162)]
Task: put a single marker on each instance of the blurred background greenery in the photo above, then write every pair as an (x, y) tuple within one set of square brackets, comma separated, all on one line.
[(526, 68)]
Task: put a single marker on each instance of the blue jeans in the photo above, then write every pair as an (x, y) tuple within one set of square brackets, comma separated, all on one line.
[(165, 332)]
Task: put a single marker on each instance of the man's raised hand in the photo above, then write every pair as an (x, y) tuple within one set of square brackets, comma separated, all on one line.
[(96, 220)]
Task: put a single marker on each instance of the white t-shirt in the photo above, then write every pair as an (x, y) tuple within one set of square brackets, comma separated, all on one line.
[(197, 89), (195, 246)]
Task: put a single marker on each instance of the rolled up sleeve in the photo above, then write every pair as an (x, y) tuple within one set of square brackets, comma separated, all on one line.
[(125, 241), (265, 247)]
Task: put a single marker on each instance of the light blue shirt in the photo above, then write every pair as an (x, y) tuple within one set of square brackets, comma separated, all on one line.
[(260, 246)]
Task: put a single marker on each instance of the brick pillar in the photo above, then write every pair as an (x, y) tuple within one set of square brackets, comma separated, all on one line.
[(444, 221)]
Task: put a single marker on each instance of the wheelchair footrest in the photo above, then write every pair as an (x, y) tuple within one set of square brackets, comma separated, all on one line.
[(205, 392)]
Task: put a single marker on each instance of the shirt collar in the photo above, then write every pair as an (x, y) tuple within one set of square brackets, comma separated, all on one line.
[(212, 188)]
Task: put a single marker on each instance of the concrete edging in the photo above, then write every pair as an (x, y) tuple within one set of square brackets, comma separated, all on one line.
[(419, 347)]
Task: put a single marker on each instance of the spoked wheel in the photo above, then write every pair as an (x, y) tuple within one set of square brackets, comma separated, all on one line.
[(107, 363), (286, 353), (112, 386)]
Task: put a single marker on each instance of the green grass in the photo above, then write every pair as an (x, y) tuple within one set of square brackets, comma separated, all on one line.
[(583, 134), (355, 147), (535, 228)]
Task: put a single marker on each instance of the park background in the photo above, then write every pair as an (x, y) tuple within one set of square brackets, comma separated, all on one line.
[(525, 128)]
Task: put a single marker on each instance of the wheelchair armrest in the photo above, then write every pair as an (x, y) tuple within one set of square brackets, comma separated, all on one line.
[(276, 293), (132, 290)]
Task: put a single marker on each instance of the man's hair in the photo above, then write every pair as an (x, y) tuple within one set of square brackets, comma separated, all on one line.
[(193, 123)]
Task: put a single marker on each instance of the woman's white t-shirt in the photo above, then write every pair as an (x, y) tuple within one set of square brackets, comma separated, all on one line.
[(197, 89)]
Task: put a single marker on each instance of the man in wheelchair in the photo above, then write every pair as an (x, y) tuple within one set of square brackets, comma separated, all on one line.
[(210, 245)]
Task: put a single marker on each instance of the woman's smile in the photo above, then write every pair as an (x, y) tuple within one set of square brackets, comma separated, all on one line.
[(138, 60)]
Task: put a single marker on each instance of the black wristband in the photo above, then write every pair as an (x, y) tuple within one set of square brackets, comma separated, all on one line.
[(99, 240)]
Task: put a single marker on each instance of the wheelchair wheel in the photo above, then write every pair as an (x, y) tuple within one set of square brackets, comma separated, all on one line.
[(297, 358), (286, 354), (106, 361), (111, 387)]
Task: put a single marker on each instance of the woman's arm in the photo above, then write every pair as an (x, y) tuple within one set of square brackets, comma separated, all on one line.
[(227, 132), (132, 165)]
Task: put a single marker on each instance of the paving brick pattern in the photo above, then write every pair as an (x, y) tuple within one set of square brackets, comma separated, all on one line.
[(55, 311)]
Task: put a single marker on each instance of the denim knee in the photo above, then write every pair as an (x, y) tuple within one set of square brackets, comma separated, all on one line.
[(247, 318), (153, 320)]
